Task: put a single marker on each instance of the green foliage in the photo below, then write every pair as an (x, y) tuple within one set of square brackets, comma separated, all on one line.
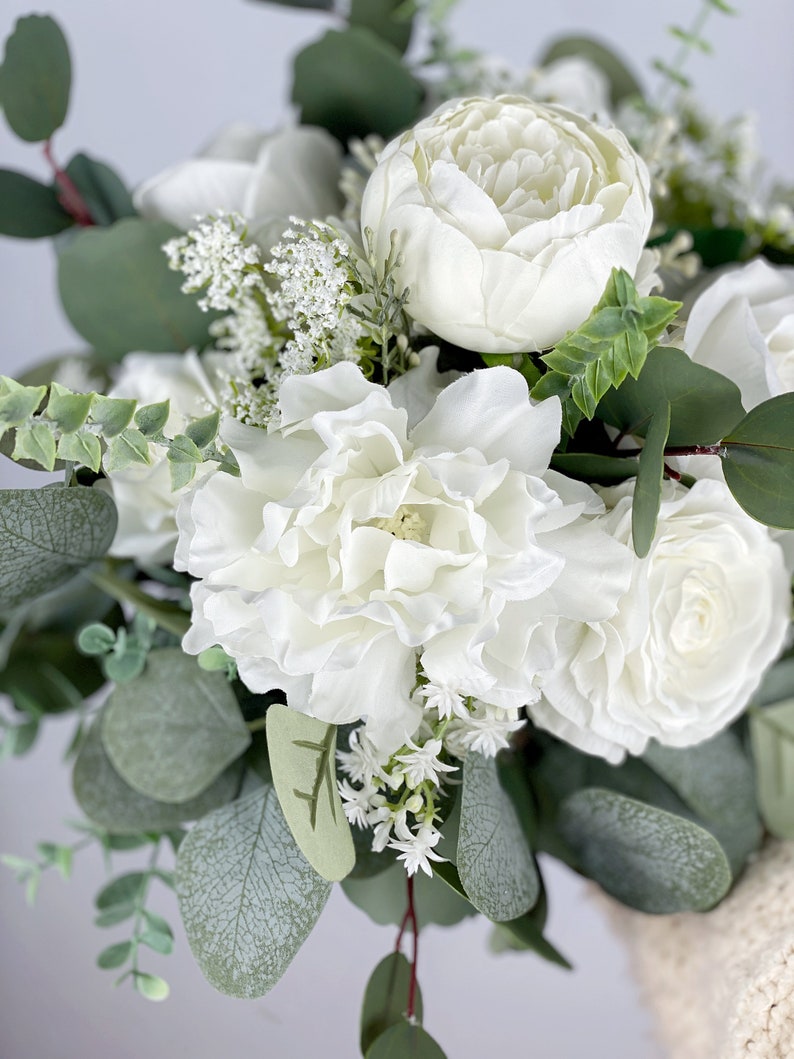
[(647, 497), (704, 405), (248, 896), (623, 83), (48, 535), (123, 655), (593, 467), (405, 1040), (28, 208), (35, 78), (645, 857), (111, 803), (609, 346), (119, 293), (772, 734), (387, 19), (383, 897), (29, 872), (494, 860), (759, 462), (526, 933), (162, 612), (303, 762), (386, 999), (383, 97), (101, 189), (172, 731)]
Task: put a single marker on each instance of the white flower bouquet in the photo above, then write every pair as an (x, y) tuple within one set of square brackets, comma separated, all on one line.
[(423, 506)]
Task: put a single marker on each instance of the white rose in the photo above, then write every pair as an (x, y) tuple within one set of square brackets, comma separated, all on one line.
[(510, 216), (743, 326), (142, 493), (706, 614), (265, 178), (350, 545)]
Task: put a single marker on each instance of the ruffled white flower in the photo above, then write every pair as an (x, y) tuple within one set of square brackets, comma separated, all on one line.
[(742, 325), (306, 580), (706, 614), (510, 216)]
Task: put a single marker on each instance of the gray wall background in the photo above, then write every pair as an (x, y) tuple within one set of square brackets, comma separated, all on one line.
[(153, 80)]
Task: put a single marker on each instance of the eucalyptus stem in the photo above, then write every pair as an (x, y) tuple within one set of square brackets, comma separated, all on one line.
[(68, 194), (410, 917)]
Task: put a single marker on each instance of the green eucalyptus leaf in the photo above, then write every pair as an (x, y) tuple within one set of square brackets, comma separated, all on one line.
[(68, 410), (382, 98), (623, 83), (647, 496), (759, 462), (593, 467), (125, 449), (83, 449), (115, 914), (119, 293), (494, 860), (126, 889), (386, 998), (150, 419), (159, 942), (96, 639), (247, 895), (387, 19), (772, 734), (101, 190), (383, 897), (35, 442), (110, 803), (151, 986), (173, 730), (645, 857), (302, 752), (202, 432), (406, 1040), (112, 414), (47, 536), (18, 402), (114, 955), (35, 78), (704, 405), (28, 208)]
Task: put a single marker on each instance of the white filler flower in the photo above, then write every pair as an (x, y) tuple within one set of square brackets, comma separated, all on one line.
[(510, 217), (349, 545), (706, 614)]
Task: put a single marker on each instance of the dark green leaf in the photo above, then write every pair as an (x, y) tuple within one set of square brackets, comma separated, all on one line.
[(173, 730), (126, 889), (622, 82), (592, 467), (704, 405), (119, 293), (648, 488), (382, 97), (386, 998), (35, 78), (47, 536), (387, 19), (29, 209), (248, 897), (114, 955), (302, 753), (772, 733), (110, 803), (100, 189), (405, 1041), (115, 914), (643, 856), (759, 462)]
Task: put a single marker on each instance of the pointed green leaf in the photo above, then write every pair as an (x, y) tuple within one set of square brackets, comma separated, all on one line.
[(772, 733), (126, 889), (202, 432), (68, 410), (115, 914), (405, 1041), (28, 208), (759, 462), (110, 803), (386, 998), (114, 955), (247, 895), (35, 78), (645, 857), (162, 943), (47, 536), (318, 823), (150, 419), (173, 730), (83, 449), (648, 487), (112, 414), (127, 448), (182, 450), (18, 402), (36, 442), (495, 862)]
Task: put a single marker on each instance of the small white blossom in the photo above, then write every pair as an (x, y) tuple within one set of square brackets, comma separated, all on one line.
[(421, 763), (417, 850), (362, 760), (355, 802), (214, 257), (446, 700), (486, 730)]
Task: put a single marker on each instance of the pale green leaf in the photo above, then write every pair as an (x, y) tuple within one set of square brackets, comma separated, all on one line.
[(772, 733), (18, 402), (82, 448), (68, 410), (112, 414), (302, 754), (494, 860), (202, 432), (151, 986), (159, 942), (127, 448), (114, 955), (247, 895), (150, 419), (36, 442)]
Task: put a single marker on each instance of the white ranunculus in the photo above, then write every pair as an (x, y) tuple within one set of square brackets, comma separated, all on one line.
[(742, 325), (510, 216), (705, 616), (265, 178), (351, 544), (142, 493)]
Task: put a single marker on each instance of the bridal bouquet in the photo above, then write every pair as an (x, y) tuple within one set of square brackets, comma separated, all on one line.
[(425, 502)]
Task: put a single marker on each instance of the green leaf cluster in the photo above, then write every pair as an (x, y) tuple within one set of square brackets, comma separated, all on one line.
[(123, 654), (609, 346)]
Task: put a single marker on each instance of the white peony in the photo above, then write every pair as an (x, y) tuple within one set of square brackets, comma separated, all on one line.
[(706, 614), (142, 493), (264, 178), (510, 217), (742, 325), (351, 548)]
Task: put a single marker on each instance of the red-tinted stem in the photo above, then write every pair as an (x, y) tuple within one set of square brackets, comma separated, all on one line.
[(68, 195), (681, 450), (410, 917)]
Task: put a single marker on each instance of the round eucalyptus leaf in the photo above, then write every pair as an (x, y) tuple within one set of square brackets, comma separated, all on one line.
[(759, 463), (35, 78)]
